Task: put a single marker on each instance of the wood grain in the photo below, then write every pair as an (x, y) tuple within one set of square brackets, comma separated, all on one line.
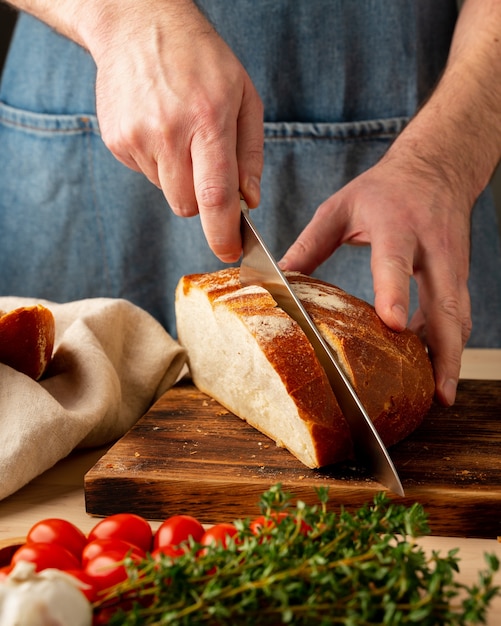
[(189, 455)]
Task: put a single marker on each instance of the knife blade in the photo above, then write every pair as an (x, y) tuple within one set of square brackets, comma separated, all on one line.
[(258, 267)]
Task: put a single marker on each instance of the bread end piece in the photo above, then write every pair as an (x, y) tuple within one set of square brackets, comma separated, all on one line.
[(27, 339)]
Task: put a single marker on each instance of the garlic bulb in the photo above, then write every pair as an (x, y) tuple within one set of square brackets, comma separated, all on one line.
[(48, 598)]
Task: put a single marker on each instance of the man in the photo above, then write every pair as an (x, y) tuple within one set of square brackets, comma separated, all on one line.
[(182, 102)]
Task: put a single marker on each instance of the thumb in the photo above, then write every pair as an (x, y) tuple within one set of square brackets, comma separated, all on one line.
[(320, 238)]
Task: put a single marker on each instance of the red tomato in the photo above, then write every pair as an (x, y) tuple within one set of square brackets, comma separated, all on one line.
[(167, 551), (127, 526), (98, 546), (58, 531), (171, 551), (46, 555), (89, 588), (106, 569), (177, 529), (219, 533), (263, 524)]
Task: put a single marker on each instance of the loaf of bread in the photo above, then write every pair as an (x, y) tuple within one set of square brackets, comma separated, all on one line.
[(250, 356), (27, 339)]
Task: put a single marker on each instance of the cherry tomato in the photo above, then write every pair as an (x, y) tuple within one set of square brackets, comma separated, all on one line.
[(176, 530), (46, 555), (219, 533), (127, 526), (89, 588), (263, 524), (172, 551), (98, 546), (106, 569), (58, 531)]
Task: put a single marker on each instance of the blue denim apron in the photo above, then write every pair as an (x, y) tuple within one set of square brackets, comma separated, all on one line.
[(339, 80)]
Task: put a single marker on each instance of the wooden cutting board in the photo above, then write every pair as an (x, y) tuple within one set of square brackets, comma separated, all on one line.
[(189, 455)]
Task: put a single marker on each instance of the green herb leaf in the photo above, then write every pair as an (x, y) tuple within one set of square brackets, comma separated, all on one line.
[(309, 566)]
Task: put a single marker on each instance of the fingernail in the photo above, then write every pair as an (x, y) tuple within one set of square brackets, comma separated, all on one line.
[(228, 258), (253, 188), (449, 391)]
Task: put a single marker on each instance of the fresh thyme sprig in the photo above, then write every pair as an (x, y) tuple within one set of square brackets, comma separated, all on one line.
[(311, 566)]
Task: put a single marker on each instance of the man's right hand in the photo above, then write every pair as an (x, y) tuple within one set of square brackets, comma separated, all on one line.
[(175, 103)]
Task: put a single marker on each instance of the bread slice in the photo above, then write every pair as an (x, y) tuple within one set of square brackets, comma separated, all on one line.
[(250, 356), (27, 339)]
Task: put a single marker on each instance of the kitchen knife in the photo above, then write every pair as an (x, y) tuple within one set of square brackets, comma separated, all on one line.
[(258, 267)]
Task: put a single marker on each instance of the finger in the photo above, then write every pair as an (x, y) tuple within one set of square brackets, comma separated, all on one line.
[(127, 146), (321, 237), (446, 307), (175, 172), (392, 267), (216, 184), (164, 153), (163, 157), (250, 140)]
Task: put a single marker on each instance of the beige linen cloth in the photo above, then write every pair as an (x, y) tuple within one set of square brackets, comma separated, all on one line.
[(111, 361)]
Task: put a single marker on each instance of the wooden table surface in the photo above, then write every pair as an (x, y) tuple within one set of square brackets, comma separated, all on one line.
[(59, 493)]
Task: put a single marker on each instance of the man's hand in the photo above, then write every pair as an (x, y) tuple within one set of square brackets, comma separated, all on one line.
[(414, 206), (174, 103), (416, 227)]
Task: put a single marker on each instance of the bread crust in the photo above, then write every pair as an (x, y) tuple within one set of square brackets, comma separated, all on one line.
[(27, 339), (390, 371)]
